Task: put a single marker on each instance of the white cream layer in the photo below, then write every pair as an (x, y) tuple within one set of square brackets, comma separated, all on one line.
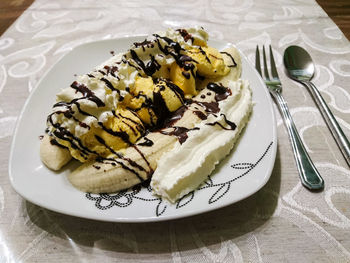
[(187, 165)]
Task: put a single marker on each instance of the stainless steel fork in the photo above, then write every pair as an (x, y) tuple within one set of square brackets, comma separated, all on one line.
[(308, 173)]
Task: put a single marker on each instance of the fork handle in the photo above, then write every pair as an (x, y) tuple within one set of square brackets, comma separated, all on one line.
[(332, 123), (309, 175)]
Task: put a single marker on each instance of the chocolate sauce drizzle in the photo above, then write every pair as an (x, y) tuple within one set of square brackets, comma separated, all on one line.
[(120, 158), (174, 88), (150, 172), (109, 85), (234, 64), (221, 93), (187, 36), (140, 128), (147, 142), (75, 142), (232, 126), (205, 54), (114, 161), (179, 132), (102, 72), (143, 44), (212, 107), (54, 142), (87, 93), (187, 64), (121, 134), (186, 74), (174, 49), (202, 52), (150, 68), (156, 106), (111, 70), (175, 116), (200, 115)]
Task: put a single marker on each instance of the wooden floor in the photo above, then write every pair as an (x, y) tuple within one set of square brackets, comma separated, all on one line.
[(338, 10)]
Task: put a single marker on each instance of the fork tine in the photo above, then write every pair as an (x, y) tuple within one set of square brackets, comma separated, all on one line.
[(257, 60), (266, 73), (273, 65)]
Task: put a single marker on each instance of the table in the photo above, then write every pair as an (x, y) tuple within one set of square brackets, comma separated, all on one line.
[(283, 222), (338, 10)]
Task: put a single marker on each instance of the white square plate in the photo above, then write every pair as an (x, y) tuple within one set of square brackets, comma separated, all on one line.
[(238, 176)]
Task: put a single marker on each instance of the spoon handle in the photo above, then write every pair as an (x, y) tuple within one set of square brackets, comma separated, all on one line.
[(309, 175), (332, 123)]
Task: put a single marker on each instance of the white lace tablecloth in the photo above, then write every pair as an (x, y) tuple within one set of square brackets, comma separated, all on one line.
[(283, 222)]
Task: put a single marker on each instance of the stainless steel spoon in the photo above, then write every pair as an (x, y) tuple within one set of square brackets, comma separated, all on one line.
[(300, 67)]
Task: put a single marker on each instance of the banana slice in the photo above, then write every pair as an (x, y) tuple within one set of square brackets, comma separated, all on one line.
[(138, 162), (52, 155), (121, 172)]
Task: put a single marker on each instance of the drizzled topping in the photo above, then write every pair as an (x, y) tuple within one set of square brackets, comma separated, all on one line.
[(147, 142), (150, 68), (234, 64), (87, 93), (187, 36), (116, 104), (221, 92), (169, 127), (179, 132), (144, 44)]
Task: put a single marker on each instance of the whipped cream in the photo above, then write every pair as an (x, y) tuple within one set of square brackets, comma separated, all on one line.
[(187, 165), (119, 73)]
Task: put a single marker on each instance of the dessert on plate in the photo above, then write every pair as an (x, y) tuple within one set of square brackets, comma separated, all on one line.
[(165, 111)]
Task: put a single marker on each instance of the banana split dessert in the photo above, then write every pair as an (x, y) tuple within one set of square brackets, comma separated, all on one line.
[(166, 112)]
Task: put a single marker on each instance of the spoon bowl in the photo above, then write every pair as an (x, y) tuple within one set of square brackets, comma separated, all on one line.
[(298, 63)]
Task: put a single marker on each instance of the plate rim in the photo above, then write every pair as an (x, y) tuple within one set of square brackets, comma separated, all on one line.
[(141, 219)]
